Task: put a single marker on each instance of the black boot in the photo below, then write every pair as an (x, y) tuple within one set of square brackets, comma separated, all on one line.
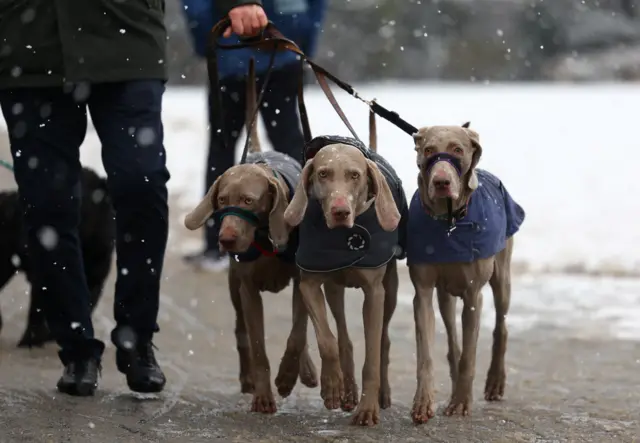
[(140, 366), (80, 377)]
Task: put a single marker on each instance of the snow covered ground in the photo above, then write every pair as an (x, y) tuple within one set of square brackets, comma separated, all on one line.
[(567, 153)]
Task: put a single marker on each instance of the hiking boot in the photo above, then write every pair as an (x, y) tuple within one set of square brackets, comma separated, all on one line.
[(80, 378), (140, 366), (208, 260)]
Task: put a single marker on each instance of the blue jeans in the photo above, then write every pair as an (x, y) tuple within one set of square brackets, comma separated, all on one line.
[(46, 128)]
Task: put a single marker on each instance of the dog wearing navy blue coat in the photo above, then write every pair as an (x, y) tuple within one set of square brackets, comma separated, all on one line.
[(351, 210), (460, 237)]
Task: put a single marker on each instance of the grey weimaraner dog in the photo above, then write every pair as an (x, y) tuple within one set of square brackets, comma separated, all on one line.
[(248, 203), (460, 236), (348, 204)]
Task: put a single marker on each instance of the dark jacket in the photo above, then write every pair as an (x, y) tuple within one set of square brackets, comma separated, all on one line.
[(366, 244), (51, 42), (298, 20)]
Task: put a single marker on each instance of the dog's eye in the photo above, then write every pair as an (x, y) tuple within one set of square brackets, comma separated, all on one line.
[(322, 174), (458, 150), (427, 152), (355, 175), (248, 200)]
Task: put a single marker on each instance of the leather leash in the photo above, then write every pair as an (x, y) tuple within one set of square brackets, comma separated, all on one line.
[(271, 38)]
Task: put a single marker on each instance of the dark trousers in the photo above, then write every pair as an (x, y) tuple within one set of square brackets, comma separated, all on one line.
[(280, 116), (46, 128)]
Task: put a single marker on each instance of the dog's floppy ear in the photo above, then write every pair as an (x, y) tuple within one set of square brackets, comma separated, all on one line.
[(277, 227), (205, 208), (298, 206), (471, 178), (418, 137), (386, 209)]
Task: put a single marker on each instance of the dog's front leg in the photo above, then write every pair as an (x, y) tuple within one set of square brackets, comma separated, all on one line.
[(462, 398), (331, 381), (368, 412), (447, 305), (296, 359), (335, 300), (263, 400), (390, 284), (500, 282), (423, 278), (242, 339)]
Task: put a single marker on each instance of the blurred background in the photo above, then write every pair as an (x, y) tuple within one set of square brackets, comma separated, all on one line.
[(460, 40)]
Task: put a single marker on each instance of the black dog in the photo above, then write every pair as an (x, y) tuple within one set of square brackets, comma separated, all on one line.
[(97, 237)]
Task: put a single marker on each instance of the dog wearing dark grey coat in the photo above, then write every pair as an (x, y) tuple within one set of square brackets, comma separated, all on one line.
[(97, 237)]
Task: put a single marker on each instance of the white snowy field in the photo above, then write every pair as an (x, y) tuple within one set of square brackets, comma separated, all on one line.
[(568, 154)]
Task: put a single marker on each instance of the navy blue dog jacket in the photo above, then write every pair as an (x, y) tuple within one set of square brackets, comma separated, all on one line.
[(492, 217)]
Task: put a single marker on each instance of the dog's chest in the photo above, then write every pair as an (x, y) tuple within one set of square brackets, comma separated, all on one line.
[(267, 274), (492, 217), (459, 279)]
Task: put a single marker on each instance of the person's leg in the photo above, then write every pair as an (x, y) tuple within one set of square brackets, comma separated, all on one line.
[(218, 161), (46, 129), (280, 110), (127, 118)]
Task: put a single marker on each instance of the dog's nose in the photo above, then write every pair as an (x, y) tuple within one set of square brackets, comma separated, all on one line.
[(227, 243), (340, 212), (441, 182), (227, 238)]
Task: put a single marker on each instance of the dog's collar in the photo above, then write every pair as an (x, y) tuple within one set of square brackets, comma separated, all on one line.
[(451, 217)]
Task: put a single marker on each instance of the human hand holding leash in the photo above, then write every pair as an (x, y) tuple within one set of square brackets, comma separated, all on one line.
[(246, 21)]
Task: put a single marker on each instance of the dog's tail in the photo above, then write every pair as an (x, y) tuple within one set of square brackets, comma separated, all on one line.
[(252, 105), (373, 136)]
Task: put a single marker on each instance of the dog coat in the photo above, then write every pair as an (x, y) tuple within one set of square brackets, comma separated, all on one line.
[(366, 245), (290, 170), (492, 217)]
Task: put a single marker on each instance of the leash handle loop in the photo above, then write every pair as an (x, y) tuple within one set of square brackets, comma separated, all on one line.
[(272, 38)]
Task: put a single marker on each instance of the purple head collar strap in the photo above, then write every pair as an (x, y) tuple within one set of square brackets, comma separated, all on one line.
[(430, 161)]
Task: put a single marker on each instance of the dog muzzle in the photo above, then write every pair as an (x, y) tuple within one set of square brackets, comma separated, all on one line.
[(262, 229), (431, 161)]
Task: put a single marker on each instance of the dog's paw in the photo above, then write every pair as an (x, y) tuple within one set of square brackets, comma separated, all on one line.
[(287, 374), (494, 387), (367, 414), (246, 385), (264, 403), (331, 386), (350, 400), (423, 407), (459, 406), (385, 396), (308, 371)]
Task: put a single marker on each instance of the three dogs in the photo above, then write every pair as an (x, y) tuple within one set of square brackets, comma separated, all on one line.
[(349, 222)]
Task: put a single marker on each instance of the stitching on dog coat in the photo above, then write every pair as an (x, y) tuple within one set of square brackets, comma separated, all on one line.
[(492, 217), (366, 245)]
